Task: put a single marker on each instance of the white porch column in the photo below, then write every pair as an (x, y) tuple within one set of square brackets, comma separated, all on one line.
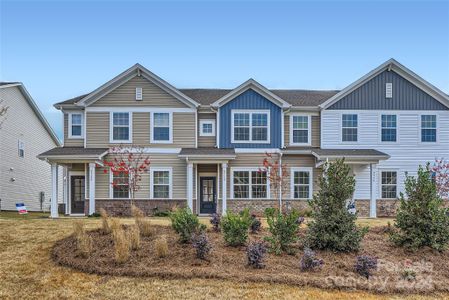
[(190, 185), (372, 206), (91, 188), (54, 191), (224, 188)]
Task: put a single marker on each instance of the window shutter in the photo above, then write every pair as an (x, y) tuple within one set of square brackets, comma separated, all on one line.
[(138, 93), (389, 90)]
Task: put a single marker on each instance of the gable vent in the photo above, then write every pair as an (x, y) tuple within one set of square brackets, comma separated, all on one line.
[(389, 90), (138, 93)]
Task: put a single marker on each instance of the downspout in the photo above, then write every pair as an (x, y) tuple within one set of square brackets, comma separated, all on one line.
[(281, 181)]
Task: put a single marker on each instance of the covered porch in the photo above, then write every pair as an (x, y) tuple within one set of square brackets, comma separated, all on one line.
[(76, 162)]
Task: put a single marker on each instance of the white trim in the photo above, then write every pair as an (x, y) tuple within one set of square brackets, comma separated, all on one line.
[(85, 130), (437, 129), (111, 128), (251, 112), (207, 121), (139, 94), (257, 150), (111, 188), (341, 127), (380, 170), (309, 129), (170, 183), (218, 128), (170, 128), (69, 125), (139, 109), (292, 181), (152, 150), (196, 129), (54, 191), (387, 113), (249, 170), (92, 170)]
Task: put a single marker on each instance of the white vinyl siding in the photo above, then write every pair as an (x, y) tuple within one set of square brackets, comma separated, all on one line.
[(248, 126)]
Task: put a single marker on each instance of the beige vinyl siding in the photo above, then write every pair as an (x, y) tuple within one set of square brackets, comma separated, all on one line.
[(315, 135), (22, 179), (125, 95), (206, 141), (97, 129), (79, 142), (302, 161), (184, 130)]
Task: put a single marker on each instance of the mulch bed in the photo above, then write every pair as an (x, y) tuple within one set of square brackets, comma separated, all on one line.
[(431, 267)]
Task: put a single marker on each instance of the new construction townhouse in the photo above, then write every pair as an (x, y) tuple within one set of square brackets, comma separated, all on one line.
[(206, 145)]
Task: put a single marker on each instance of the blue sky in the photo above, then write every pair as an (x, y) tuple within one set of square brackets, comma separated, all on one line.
[(63, 49)]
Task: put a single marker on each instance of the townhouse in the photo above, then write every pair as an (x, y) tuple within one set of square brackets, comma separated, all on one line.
[(207, 145)]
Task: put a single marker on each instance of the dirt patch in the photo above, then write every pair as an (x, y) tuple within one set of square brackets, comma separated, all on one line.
[(431, 268)]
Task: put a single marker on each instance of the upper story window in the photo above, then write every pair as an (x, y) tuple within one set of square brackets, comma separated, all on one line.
[(21, 148), (250, 184), (160, 184), (121, 127), (120, 185), (300, 130), (349, 123), (301, 183), (207, 127), (161, 127), (389, 181), (389, 128), (75, 125), (250, 126), (428, 128)]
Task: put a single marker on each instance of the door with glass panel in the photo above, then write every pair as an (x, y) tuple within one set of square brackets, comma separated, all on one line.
[(208, 198)]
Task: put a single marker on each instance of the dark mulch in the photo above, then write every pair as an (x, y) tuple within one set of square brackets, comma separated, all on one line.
[(431, 267)]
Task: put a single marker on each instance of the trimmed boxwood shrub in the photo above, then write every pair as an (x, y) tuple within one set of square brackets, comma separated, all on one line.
[(185, 223), (235, 228), (283, 229)]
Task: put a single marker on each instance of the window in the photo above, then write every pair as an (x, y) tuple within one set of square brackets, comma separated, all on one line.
[(120, 185), (301, 183), (75, 125), (161, 128), (428, 128), (389, 128), (250, 127), (389, 181), (300, 130), (250, 184), (160, 183), (207, 127), (21, 148), (121, 128), (349, 128)]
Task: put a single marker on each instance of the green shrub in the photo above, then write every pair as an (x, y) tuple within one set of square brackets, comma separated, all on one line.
[(235, 228), (283, 229), (333, 226), (421, 219), (185, 223)]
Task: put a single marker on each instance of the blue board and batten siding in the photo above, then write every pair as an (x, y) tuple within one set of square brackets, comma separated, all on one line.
[(371, 96), (252, 101)]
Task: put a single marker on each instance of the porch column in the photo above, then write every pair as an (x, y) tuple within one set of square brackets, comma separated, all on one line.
[(54, 191), (190, 185), (223, 188), (91, 188), (372, 206)]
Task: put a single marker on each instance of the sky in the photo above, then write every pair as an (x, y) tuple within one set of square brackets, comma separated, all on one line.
[(62, 49)]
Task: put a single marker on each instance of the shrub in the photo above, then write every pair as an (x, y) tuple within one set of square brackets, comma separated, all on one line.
[(309, 262), (408, 274), (333, 226), (255, 253), (161, 247), (83, 240), (201, 244), (136, 212), (283, 229), (215, 221), (185, 223), (145, 227), (421, 219), (115, 226), (105, 221), (235, 228), (121, 245), (365, 264), (255, 224), (134, 237)]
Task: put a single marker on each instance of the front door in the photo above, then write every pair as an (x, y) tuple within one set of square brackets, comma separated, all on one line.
[(77, 194), (208, 192)]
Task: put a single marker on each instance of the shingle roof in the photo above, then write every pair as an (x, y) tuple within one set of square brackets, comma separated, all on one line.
[(349, 152), (70, 151), (206, 151), (71, 101), (7, 83)]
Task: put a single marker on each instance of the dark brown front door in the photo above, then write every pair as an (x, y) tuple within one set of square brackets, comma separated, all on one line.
[(208, 198), (77, 194)]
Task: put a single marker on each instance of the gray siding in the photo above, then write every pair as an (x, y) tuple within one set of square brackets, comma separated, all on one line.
[(371, 95)]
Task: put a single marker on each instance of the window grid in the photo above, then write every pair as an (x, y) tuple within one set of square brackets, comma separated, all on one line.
[(246, 183), (120, 126), (389, 184), (76, 125), (389, 128), (349, 127), (428, 128), (161, 184), (301, 184), (120, 185), (300, 129), (250, 127), (161, 127)]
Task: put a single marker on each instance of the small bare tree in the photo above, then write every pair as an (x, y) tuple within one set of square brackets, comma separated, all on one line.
[(440, 173), (3, 110)]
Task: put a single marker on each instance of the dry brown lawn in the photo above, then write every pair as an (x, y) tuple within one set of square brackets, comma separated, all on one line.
[(27, 272)]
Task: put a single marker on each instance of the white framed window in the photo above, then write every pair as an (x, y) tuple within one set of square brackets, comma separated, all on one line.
[(120, 127), (161, 128), (389, 184), (161, 183), (349, 127), (300, 130), (139, 94), (207, 127), (301, 183), (428, 128), (21, 148), (250, 126), (75, 128), (119, 186), (249, 183), (388, 128)]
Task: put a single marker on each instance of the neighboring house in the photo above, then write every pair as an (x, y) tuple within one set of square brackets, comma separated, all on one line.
[(206, 145), (23, 135)]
